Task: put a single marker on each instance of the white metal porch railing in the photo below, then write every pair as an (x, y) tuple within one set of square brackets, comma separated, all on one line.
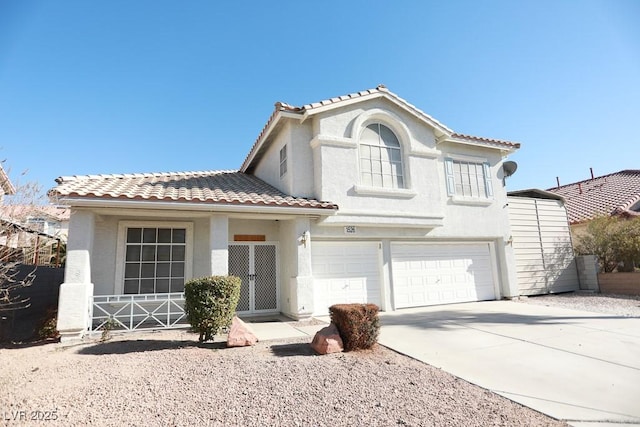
[(138, 312)]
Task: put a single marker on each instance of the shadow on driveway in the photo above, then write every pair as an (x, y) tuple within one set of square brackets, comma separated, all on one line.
[(443, 319)]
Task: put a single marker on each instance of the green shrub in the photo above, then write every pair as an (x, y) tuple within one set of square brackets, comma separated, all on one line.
[(614, 240), (358, 324), (210, 303)]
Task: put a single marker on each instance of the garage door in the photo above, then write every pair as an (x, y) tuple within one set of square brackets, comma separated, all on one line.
[(345, 272), (441, 274)]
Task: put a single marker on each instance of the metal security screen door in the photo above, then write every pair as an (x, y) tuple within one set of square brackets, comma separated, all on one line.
[(255, 264)]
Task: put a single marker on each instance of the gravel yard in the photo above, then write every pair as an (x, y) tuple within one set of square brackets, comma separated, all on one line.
[(166, 378), (620, 305)]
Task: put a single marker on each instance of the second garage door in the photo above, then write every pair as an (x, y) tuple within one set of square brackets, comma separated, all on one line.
[(429, 274), (345, 272)]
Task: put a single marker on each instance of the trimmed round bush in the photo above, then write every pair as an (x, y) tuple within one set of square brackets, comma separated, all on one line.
[(210, 304)]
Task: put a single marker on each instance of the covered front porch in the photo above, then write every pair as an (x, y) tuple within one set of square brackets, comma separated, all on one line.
[(127, 272)]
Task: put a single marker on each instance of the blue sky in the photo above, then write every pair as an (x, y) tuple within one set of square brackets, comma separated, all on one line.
[(153, 85)]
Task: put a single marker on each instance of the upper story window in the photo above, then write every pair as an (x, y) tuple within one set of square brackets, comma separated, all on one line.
[(283, 161), (468, 179), (380, 158)]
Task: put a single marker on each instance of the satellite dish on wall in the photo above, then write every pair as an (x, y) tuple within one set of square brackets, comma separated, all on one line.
[(509, 168)]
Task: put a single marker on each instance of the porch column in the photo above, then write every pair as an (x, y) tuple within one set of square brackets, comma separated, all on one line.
[(302, 278), (74, 306), (219, 245)]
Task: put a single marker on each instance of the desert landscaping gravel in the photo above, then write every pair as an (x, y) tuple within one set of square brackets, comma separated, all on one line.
[(167, 379), (619, 305)]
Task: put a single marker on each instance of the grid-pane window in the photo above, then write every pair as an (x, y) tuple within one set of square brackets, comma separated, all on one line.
[(154, 260), (468, 179), (380, 158)]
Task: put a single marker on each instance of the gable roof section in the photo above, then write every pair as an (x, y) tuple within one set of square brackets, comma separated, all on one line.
[(614, 194), (445, 134), (209, 187)]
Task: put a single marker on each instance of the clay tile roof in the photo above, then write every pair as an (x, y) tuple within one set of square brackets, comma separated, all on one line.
[(490, 141), (614, 194), (215, 187), (380, 90)]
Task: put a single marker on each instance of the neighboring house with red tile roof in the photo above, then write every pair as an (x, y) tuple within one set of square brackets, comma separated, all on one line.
[(359, 198), (617, 193), (48, 219), (29, 234)]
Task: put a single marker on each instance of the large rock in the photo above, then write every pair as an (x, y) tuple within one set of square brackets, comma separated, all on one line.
[(327, 340), (240, 334)]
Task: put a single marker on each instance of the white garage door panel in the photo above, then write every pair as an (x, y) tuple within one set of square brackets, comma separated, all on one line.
[(441, 274), (345, 272)]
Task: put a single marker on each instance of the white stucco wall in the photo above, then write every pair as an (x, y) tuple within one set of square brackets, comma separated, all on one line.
[(423, 211), (103, 257), (324, 163), (268, 169), (268, 228)]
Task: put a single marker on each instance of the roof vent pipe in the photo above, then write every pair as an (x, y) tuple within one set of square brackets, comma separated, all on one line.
[(591, 170), (558, 181)]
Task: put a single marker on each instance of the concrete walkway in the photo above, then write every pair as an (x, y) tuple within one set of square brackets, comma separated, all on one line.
[(576, 366)]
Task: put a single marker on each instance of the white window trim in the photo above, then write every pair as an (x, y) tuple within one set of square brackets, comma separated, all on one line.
[(401, 131), (403, 193), (471, 201), (467, 158), (121, 247), (450, 187), (283, 161)]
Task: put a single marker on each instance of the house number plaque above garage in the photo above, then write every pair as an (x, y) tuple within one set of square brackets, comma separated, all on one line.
[(350, 229)]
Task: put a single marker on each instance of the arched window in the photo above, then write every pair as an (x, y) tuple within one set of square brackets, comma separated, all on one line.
[(380, 158)]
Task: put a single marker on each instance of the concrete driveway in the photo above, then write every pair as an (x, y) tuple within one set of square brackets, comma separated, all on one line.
[(576, 366)]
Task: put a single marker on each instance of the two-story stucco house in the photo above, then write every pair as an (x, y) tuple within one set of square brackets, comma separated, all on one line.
[(360, 198)]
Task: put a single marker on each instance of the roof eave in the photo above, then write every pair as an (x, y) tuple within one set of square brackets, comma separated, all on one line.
[(539, 194), (385, 94), (272, 123), (97, 202), (504, 147)]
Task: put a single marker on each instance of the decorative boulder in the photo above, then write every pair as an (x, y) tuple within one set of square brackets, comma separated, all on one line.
[(240, 334), (327, 340)]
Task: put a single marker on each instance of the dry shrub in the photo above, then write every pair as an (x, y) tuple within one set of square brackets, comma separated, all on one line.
[(358, 324)]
